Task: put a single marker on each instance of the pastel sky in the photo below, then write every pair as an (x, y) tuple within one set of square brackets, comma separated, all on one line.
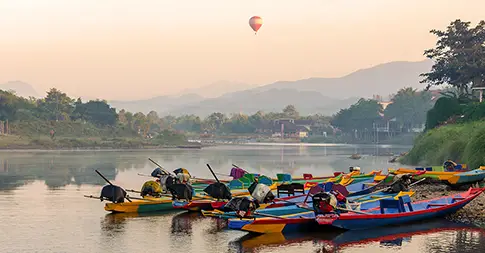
[(120, 49)]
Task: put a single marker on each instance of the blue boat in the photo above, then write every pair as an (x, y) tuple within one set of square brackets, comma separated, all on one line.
[(392, 212), (292, 218)]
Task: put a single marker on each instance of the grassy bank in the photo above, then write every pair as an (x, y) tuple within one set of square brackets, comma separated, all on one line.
[(463, 143), (79, 135)]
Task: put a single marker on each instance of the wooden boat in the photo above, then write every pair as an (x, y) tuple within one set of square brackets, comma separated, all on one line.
[(151, 204), (288, 208), (467, 177), (452, 177), (393, 212), (293, 223)]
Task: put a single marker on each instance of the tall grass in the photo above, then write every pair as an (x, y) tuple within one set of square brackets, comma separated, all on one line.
[(463, 143)]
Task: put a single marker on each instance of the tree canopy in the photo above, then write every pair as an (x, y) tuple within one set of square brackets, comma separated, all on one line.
[(409, 107), (459, 56), (359, 116)]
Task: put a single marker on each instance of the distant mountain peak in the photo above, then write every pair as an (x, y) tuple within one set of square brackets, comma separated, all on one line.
[(21, 88), (218, 88)]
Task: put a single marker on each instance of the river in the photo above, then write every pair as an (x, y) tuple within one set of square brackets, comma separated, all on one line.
[(42, 207)]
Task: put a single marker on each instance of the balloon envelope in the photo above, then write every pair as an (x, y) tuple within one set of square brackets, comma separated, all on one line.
[(255, 23)]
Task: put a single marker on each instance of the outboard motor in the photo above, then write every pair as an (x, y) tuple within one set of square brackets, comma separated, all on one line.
[(181, 191), (218, 191), (151, 188), (165, 181), (157, 173), (242, 206), (324, 202), (261, 192), (113, 193)]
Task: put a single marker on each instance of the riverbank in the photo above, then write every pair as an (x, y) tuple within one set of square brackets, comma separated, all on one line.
[(11, 142), (463, 143)]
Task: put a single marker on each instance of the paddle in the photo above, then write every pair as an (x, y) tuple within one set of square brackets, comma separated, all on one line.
[(269, 215), (105, 179), (94, 197), (159, 166), (213, 174)]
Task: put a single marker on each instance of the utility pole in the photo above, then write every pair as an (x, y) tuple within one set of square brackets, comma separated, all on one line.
[(57, 107)]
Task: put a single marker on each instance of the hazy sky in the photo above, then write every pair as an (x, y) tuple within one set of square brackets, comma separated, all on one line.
[(120, 49)]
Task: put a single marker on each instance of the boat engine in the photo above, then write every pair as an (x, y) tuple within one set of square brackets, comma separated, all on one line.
[(261, 192), (218, 191), (242, 206), (324, 202), (181, 191), (113, 193), (165, 181), (151, 188), (157, 173)]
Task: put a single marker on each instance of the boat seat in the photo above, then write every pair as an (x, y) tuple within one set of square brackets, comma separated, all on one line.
[(406, 200), (419, 168), (429, 169), (391, 204), (432, 204), (290, 189), (453, 200)]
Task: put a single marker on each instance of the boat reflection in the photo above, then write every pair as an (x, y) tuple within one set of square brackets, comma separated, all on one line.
[(113, 222), (183, 223), (462, 236)]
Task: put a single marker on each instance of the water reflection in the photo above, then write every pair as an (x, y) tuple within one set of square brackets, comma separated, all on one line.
[(61, 168), (434, 236)]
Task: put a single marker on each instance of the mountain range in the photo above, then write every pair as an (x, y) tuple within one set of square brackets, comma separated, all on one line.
[(21, 88), (313, 95)]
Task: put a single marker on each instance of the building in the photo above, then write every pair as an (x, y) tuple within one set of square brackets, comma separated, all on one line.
[(286, 128)]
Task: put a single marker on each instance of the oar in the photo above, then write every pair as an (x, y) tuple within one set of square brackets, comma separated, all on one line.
[(213, 174), (349, 210), (269, 215), (159, 166), (387, 188), (105, 179)]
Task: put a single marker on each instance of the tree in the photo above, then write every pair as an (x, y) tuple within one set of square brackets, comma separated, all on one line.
[(359, 116), (95, 111), (409, 107), (56, 105), (239, 123), (459, 56), (291, 112), (214, 121), (189, 123)]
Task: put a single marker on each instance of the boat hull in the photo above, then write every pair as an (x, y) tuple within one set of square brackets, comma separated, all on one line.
[(139, 206), (424, 210)]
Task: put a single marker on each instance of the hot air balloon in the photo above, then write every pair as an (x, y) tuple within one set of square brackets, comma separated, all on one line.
[(255, 22)]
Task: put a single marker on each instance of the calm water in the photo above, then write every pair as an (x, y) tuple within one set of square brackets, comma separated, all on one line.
[(42, 208)]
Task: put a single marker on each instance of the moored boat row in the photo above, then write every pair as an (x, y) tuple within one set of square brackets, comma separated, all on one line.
[(252, 202)]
